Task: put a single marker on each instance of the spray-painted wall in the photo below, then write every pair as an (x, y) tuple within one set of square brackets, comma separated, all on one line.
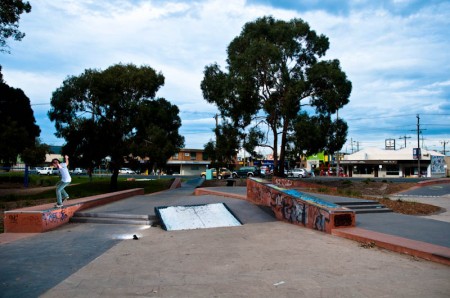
[(298, 208)]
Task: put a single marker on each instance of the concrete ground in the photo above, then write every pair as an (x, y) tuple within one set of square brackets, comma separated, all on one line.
[(271, 259), (262, 258), (441, 201)]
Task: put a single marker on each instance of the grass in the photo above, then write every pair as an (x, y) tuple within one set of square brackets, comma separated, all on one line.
[(82, 187)]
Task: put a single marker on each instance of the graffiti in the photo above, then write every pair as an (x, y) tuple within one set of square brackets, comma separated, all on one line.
[(296, 212), (51, 218), (320, 219), (437, 164), (283, 182), (63, 215), (296, 207), (13, 218), (288, 208)]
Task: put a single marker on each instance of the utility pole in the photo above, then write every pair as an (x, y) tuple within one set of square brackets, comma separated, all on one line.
[(443, 143), (337, 155), (357, 145), (404, 137), (418, 146)]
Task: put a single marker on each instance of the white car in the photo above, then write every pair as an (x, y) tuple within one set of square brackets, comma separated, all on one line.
[(79, 171), (47, 171), (299, 173), (126, 171)]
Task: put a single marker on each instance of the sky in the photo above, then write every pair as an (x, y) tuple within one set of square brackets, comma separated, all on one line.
[(396, 53)]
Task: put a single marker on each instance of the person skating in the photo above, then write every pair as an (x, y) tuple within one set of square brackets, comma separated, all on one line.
[(61, 194)]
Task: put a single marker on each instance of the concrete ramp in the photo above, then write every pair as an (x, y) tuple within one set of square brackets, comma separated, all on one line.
[(191, 217)]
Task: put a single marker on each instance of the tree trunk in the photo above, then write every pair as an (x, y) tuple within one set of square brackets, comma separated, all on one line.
[(115, 174), (275, 150), (283, 149)]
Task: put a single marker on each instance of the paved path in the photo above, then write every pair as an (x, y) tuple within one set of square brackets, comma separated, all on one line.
[(262, 258), (437, 195)]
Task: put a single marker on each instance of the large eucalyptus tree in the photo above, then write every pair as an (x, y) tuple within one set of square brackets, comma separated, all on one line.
[(274, 68)]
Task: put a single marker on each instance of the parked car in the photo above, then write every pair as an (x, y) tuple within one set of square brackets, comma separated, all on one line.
[(48, 171), (79, 171), (299, 173), (126, 171), (247, 172), (34, 170), (332, 172), (224, 173)]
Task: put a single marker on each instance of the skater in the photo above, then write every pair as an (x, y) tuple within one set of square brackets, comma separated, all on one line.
[(61, 194)]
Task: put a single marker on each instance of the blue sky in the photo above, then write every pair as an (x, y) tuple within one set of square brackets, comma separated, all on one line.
[(396, 53)]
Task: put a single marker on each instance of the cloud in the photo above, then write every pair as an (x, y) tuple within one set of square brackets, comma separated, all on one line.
[(394, 52)]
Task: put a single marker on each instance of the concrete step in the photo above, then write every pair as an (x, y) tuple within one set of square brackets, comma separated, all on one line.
[(114, 215), (368, 206), (365, 207), (373, 210), (114, 218)]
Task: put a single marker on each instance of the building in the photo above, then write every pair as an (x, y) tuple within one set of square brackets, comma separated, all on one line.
[(188, 162), (374, 162)]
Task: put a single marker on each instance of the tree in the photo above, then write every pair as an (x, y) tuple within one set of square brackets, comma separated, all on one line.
[(313, 134), (35, 155), (223, 151), (157, 124), (274, 70), (10, 11), (18, 129), (114, 113)]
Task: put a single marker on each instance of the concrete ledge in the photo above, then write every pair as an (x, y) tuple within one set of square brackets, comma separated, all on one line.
[(176, 183), (432, 182), (435, 253), (298, 183), (38, 219), (207, 191), (298, 208)]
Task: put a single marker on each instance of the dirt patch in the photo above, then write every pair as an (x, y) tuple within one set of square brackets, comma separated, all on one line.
[(411, 208)]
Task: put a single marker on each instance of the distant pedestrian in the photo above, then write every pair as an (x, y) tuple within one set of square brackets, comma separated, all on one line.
[(61, 194)]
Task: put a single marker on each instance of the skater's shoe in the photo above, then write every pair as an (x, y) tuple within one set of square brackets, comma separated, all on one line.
[(58, 205)]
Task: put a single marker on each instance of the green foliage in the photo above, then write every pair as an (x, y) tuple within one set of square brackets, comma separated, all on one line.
[(156, 137), (115, 113), (272, 66), (84, 188), (10, 11), (33, 180), (18, 129), (35, 155)]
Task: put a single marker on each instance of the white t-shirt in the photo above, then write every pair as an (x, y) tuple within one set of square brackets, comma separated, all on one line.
[(65, 176)]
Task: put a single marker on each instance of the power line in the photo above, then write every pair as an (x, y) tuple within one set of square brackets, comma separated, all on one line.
[(405, 137)]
